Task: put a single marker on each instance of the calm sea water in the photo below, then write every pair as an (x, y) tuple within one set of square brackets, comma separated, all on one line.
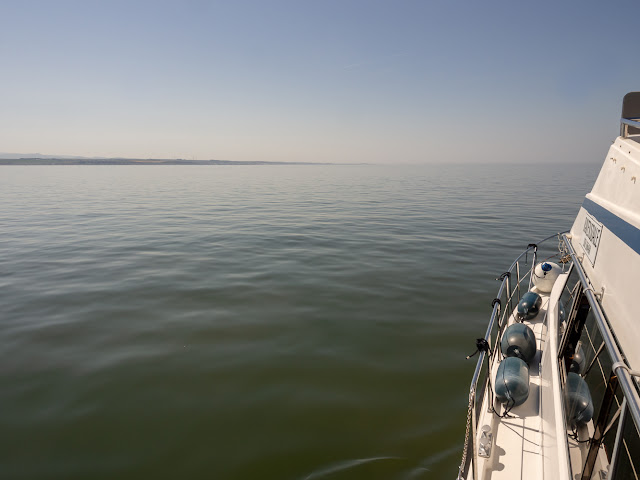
[(244, 322)]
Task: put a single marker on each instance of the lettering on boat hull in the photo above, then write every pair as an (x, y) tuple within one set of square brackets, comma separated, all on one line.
[(592, 231)]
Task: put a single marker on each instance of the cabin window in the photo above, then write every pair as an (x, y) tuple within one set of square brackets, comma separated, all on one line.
[(627, 464), (593, 442), (567, 300), (592, 361), (576, 318)]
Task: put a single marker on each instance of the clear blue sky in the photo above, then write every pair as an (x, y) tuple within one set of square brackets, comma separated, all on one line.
[(336, 81)]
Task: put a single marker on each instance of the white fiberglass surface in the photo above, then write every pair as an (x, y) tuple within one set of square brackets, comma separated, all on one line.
[(612, 262), (517, 449)]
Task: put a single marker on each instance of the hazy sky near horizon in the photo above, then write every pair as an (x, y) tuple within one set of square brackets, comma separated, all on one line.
[(335, 81)]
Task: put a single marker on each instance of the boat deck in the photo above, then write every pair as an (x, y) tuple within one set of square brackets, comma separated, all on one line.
[(518, 437)]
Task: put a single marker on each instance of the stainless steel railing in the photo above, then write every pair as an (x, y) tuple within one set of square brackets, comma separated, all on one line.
[(630, 114), (509, 291), (626, 381), (625, 123)]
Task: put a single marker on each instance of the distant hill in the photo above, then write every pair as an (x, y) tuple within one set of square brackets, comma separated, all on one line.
[(13, 156), (38, 159)]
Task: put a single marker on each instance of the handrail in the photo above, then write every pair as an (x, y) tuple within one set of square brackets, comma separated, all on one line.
[(630, 114), (626, 382), (476, 374), (625, 123), (471, 420), (624, 378)]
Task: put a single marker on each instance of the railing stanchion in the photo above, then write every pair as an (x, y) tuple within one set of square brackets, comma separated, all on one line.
[(532, 270), (509, 307), (518, 280)]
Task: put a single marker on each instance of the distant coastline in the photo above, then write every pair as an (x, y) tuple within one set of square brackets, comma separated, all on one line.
[(136, 161)]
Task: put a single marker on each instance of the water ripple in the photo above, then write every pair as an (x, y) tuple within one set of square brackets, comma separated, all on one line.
[(253, 322)]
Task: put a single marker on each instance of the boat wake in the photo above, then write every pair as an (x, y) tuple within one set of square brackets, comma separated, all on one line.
[(346, 465)]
